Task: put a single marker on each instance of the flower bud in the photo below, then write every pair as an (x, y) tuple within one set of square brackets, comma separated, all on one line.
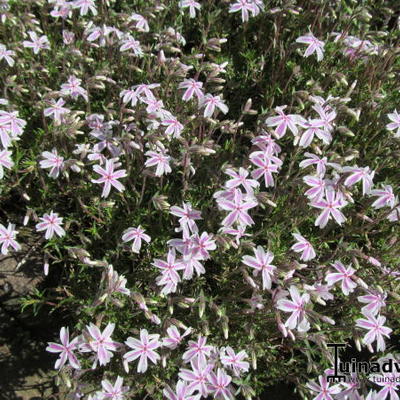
[(206, 328), (160, 202), (161, 57), (202, 304), (247, 392), (291, 335), (374, 261), (345, 131), (225, 328), (46, 268), (328, 320), (357, 341), (253, 359), (282, 329)]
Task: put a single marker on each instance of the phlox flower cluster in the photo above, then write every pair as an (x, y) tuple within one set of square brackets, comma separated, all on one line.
[(200, 377)]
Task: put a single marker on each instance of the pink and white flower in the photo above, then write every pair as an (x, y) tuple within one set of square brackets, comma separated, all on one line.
[(7, 55), (192, 5), (192, 88), (37, 43), (129, 43), (235, 361), (100, 343), (51, 223), (210, 102), (261, 263), (386, 197), (202, 244), (188, 216), (318, 186), (113, 392), (323, 390), (374, 301), (241, 178), (376, 328), (331, 205), (66, 348), (56, 110), (314, 127), (10, 123), (303, 246), (174, 338), (395, 124), (198, 350), (320, 163), (143, 349), (7, 238), (52, 161), (137, 235), (160, 159), (182, 392), (267, 165), (5, 161), (284, 121), (344, 275), (85, 6), (246, 7), (109, 177), (197, 377), (174, 127), (314, 45), (360, 174), (296, 306), (267, 143), (73, 88), (238, 209), (219, 385), (141, 22), (170, 267)]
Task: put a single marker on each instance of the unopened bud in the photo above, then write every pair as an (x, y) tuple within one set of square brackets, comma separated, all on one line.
[(345, 131), (206, 328), (225, 327), (374, 261), (291, 335), (249, 280), (160, 202), (282, 329), (358, 344), (26, 219), (202, 304), (362, 283), (253, 359), (248, 105), (328, 320), (214, 44), (46, 268), (247, 392), (251, 334), (202, 150), (170, 306), (139, 299), (161, 57)]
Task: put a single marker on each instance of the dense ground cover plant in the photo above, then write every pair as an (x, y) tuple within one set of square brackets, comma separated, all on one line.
[(213, 185)]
